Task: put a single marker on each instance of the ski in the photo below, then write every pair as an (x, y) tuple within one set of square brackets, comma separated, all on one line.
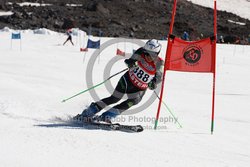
[(93, 124), (114, 127), (132, 128)]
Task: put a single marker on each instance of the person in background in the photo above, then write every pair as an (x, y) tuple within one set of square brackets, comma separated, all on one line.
[(69, 33), (221, 39), (185, 36)]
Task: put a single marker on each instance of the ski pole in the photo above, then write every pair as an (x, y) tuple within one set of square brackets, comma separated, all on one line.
[(95, 85), (169, 110)]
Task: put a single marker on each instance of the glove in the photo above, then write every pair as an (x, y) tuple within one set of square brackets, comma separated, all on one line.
[(152, 84), (130, 63)]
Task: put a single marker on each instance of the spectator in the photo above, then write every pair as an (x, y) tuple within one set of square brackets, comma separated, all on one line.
[(185, 36), (221, 39)]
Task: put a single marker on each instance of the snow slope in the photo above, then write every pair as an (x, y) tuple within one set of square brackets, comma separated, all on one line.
[(238, 7), (36, 79)]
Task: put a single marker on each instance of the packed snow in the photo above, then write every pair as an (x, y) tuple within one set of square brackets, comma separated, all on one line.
[(39, 72), (238, 7)]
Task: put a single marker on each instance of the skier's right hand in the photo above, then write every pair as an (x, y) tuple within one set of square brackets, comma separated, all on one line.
[(130, 63)]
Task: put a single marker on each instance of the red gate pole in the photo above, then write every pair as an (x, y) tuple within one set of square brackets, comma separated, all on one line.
[(169, 48), (214, 65)]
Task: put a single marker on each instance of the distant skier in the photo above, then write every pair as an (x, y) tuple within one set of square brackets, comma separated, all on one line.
[(145, 71), (69, 33)]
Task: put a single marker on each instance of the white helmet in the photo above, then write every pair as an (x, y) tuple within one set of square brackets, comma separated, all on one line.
[(153, 46)]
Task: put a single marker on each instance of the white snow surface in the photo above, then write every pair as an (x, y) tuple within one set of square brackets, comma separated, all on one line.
[(31, 4), (238, 7), (5, 13), (36, 78)]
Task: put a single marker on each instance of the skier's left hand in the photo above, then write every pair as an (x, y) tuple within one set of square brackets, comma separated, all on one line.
[(152, 84)]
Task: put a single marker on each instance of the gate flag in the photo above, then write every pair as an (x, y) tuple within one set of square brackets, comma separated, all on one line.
[(120, 52), (93, 44), (191, 56), (16, 36)]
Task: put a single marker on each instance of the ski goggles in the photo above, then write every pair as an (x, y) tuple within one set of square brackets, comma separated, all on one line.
[(153, 55)]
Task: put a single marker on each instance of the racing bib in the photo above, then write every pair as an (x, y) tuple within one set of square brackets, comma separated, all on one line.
[(141, 75)]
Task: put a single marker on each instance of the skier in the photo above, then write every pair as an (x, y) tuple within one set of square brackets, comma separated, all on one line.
[(69, 33), (145, 71)]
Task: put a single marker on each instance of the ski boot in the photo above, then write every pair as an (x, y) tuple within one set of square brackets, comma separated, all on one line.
[(107, 116), (87, 114)]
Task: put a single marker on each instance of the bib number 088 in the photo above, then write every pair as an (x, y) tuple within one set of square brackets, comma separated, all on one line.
[(141, 74)]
